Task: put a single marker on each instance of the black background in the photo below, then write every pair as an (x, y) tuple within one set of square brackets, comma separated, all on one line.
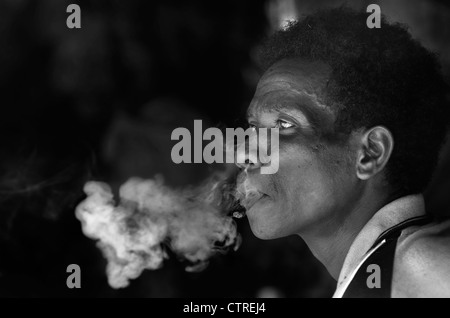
[(100, 103)]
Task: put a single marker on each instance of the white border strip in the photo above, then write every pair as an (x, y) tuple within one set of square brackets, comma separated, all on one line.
[(346, 282)]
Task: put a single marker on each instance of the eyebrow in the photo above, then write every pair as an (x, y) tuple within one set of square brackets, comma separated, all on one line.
[(298, 114), (304, 116)]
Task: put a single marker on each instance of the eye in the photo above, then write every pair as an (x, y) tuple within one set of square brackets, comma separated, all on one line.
[(252, 127), (282, 124)]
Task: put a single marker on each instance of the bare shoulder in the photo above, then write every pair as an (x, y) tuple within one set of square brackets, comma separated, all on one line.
[(422, 262)]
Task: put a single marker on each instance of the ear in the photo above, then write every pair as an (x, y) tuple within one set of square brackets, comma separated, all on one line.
[(377, 144)]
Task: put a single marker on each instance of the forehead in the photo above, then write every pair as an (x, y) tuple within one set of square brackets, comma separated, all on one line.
[(293, 81)]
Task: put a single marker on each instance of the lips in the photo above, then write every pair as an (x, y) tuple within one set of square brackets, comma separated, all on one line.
[(251, 198), (248, 194)]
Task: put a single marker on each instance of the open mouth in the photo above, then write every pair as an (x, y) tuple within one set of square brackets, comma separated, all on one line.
[(247, 195), (251, 199), (247, 203)]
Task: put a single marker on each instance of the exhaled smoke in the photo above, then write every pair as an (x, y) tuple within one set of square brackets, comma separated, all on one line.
[(149, 217), (246, 194)]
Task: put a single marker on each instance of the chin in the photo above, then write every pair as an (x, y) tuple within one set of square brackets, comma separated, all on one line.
[(262, 234), (270, 221), (261, 225)]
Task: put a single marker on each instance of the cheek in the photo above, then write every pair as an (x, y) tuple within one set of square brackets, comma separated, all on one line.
[(311, 181), (305, 191)]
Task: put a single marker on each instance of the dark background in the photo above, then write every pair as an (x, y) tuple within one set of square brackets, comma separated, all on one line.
[(100, 103)]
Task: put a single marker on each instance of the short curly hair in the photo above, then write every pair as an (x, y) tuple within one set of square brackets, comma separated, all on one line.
[(379, 77)]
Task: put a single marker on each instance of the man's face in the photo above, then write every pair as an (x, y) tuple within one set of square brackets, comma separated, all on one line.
[(316, 178)]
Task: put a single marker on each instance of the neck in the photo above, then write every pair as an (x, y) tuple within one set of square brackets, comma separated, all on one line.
[(331, 241)]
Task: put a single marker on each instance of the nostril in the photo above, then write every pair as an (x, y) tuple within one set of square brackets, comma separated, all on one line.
[(245, 164)]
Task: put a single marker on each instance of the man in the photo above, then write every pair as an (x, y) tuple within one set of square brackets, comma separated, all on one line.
[(362, 114)]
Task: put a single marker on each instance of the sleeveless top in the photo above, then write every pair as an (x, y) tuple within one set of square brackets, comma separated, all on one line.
[(382, 253)]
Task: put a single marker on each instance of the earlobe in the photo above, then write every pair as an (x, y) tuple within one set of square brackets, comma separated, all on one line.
[(376, 147)]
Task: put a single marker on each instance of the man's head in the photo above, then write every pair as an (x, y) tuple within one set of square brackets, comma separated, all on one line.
[(360, 111)]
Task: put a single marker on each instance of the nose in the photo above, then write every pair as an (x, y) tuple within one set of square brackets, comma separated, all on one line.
[(248, 164), (247, 156)]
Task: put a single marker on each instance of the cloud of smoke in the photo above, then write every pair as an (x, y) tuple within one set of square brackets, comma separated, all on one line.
[(246, 194), (149, 218)]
